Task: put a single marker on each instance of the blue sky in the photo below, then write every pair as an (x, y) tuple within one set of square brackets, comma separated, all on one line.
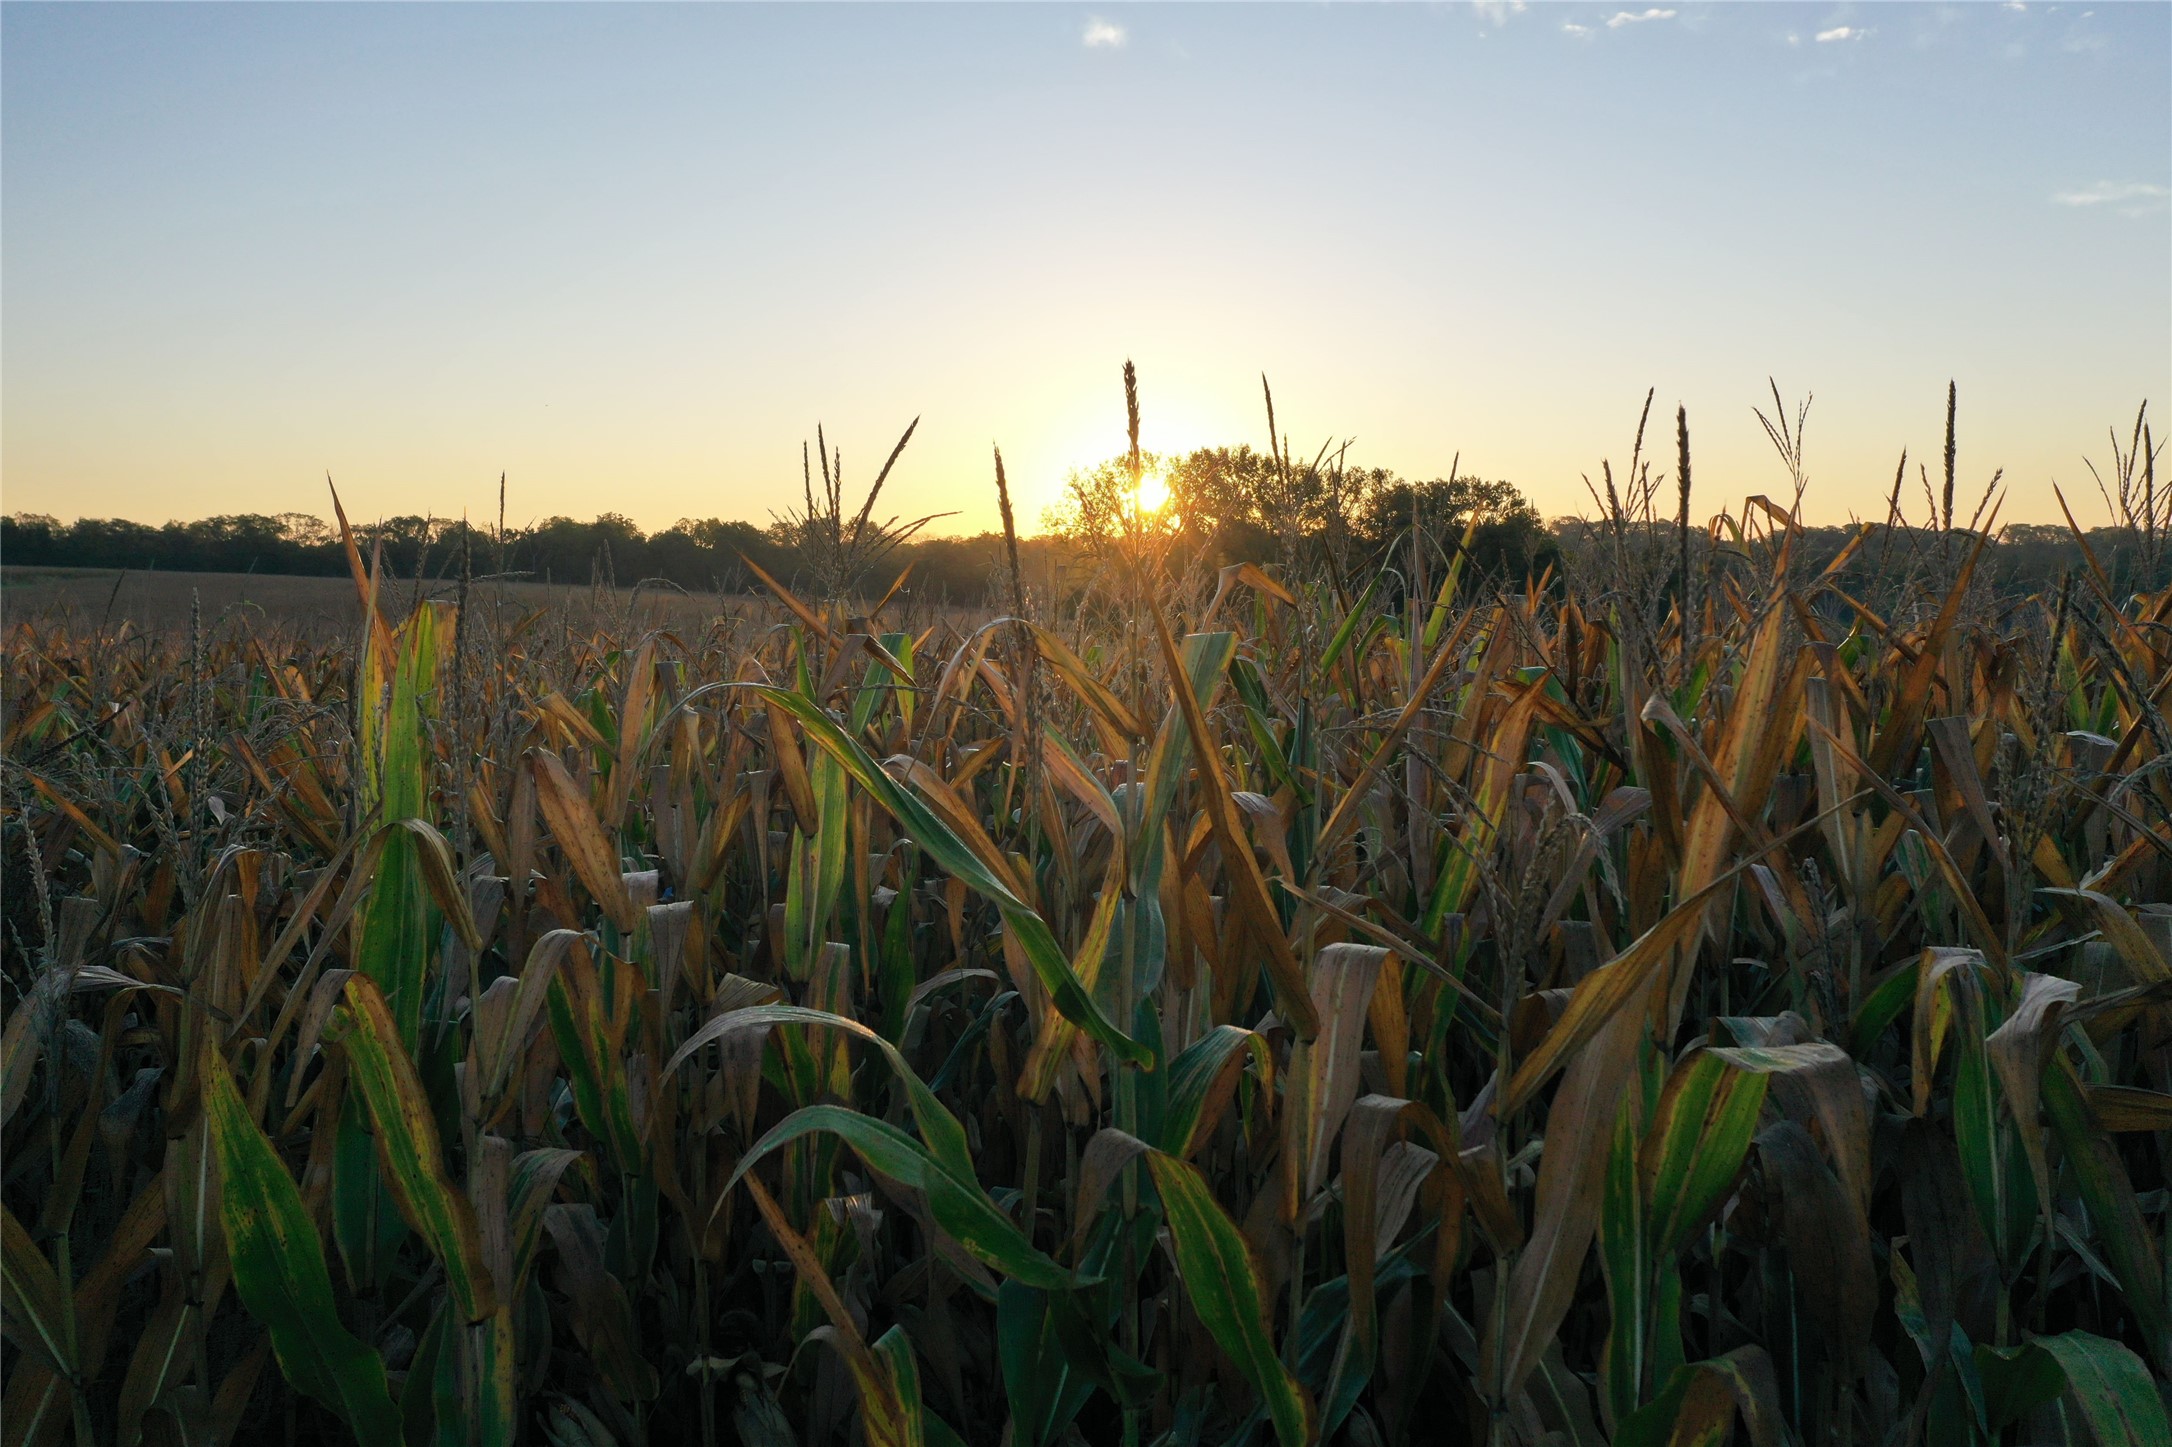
[(631, 254)]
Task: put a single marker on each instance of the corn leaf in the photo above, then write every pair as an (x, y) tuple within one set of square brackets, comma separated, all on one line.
[(279, 1269), (1042, 951), (408, 1148)]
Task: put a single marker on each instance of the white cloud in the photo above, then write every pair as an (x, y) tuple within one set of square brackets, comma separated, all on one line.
[(1497, 12), (1581, 32), (2017, 6), (1841, 32), (2113, 193), (1103, 34), (1626, 17)]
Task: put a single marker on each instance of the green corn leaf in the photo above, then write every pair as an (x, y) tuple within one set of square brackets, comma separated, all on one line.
[(1218, 1270), (429, 1400), (1043, 1390), (393, 943), (1882, 1004), (817, 875), (534, 1180), (1202, 1079), (959, 1207), (2101, 1179), (409, 1150), (879, 683), (1259, 724), (1438, 620), (279, 1269), (1950, 1023), (1360, 613), (591, 1014), (1699, 1137), (1206, 658), (941, 1163), (1224, 1283), (2109, 1383), (366, 1222), (1086, 1320), (950, 852)]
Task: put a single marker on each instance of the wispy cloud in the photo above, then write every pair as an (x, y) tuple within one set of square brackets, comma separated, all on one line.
[(1497, 12), (2132, 196), (1571, 28), (1631, 17), (1103, 34), (2017, 6), (1841, 32)]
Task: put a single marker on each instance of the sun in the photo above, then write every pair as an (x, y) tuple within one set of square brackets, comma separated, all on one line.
[(1153, 492)]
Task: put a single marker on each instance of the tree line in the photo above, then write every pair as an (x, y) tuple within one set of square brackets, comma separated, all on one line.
[(1226, 505), (1222, 505)]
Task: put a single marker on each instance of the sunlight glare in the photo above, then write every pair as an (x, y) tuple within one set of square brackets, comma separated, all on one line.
[(1153, 492)]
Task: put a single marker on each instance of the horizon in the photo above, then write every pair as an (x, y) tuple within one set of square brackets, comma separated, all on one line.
[(632, 256), (2085, 504)]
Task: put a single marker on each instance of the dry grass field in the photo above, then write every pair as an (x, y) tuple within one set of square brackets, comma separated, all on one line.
[(102, 597)]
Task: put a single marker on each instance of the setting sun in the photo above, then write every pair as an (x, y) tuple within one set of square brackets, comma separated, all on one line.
[(1153, 492)]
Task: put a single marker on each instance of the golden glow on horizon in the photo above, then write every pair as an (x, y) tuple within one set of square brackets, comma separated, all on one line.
[(66, 456)]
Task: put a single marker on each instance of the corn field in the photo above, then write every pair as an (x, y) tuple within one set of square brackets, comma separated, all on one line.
[(1240, 1007)]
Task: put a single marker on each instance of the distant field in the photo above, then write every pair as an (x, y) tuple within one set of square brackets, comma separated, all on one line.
[(163, 600)]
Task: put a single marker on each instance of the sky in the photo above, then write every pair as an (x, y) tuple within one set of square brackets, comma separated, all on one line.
[(631, 255)]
